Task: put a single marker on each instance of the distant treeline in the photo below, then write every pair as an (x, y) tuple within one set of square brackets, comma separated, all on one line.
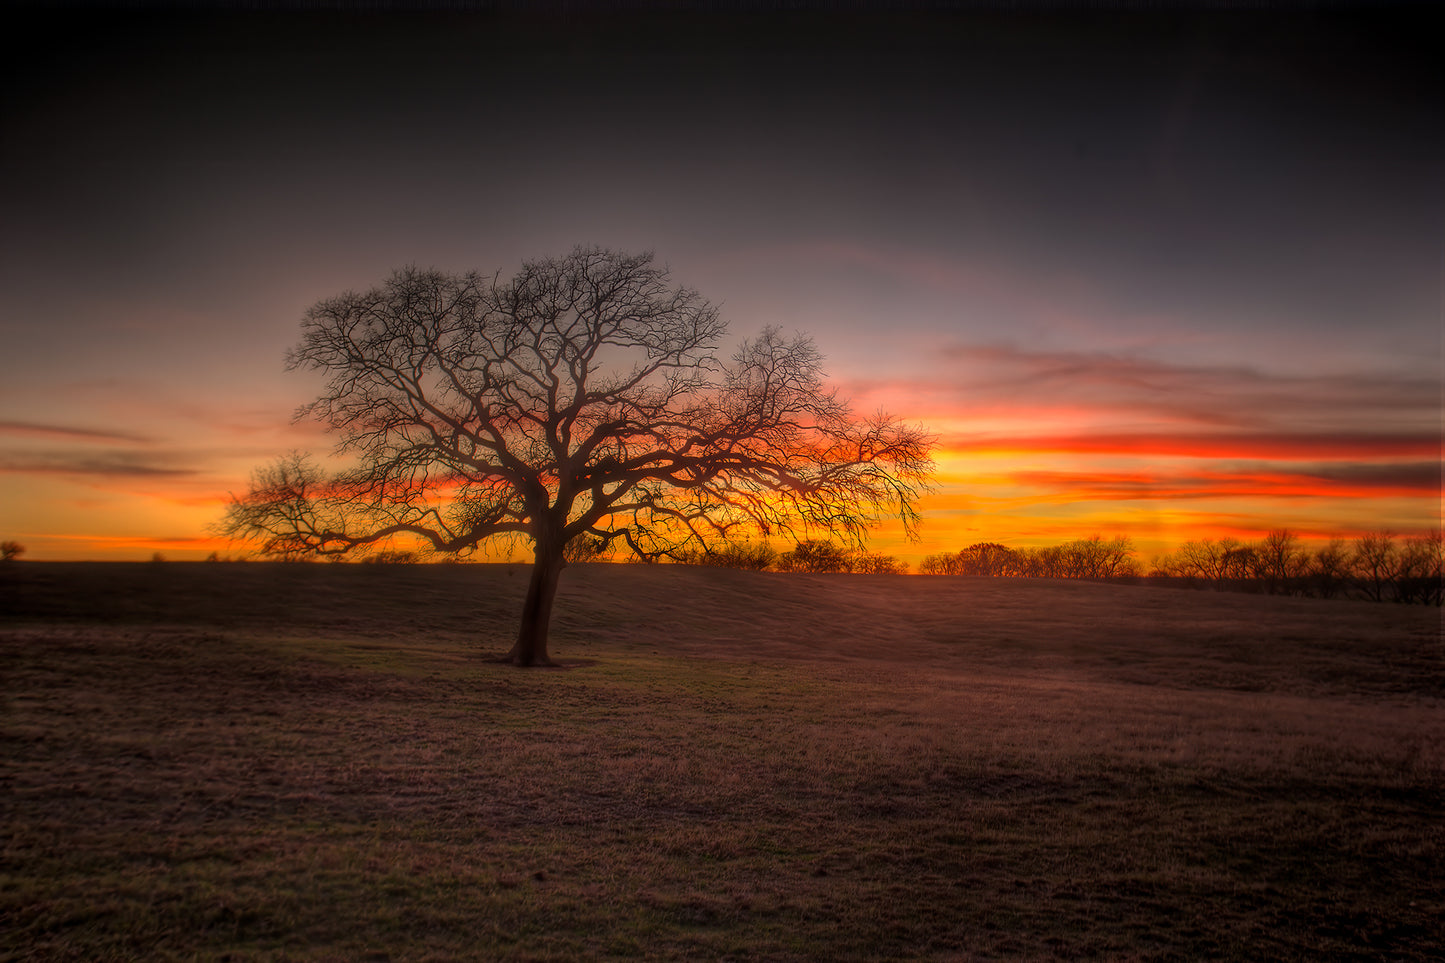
[(1380, 566), (1094, 557), (806, 556)]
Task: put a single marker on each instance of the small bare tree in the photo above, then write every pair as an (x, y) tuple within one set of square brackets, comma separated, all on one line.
[(9, 551), (1328, 568), (1376, 564), (1218, 562), (1279, 561), (744, 554), (817, 556), (583, 398), (988, 558), (1422, 560)]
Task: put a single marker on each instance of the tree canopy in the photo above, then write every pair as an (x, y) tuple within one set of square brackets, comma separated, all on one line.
[(583, 397)]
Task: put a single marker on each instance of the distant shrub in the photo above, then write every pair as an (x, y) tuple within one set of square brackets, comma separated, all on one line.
[(10, 551), (984, 558), (587, 548), (814, 556), (1379, 567), (818, 556), (390, 557), (868, 564), (746, 555), (1095, 557), (1421, 578), (943, 563)]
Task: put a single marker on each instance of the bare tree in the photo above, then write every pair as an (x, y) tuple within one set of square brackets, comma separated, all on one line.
[(744, 554), (1279, 561), (1217, 562), (943, 563), (1376, 564), (1098, 558), (9, 551), (987, 558), (1048, 561), (583, 397), (1328, 568), (1236, 561), (587, 548), (1420, 571), (815, 556), (872, 563)]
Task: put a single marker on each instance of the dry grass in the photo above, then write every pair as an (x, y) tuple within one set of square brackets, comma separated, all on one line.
[(254, 762)]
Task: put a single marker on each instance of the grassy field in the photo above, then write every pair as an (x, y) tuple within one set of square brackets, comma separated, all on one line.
[(315, 762)]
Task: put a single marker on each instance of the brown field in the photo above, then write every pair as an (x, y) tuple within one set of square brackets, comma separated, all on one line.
[(317, 762)]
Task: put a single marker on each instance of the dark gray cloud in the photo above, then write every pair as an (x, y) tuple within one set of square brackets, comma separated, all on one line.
[(1423, 477), (104, 464), (68, 432), (1348, 403), (1342, 447)]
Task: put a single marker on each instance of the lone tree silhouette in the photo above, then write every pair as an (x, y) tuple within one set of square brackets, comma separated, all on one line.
[(584, 398)]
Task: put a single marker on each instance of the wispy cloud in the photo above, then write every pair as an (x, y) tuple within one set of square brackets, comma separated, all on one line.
[(1256, 481), (136, 541), (131, 547), (29, 429), (1097, 402), (1241, 396), (109, 464), (1285, 446)]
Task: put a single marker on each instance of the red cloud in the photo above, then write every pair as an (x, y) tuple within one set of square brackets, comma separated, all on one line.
[(1412, 480), (1282, 446)]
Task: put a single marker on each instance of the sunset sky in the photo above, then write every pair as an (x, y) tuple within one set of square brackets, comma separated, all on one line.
[(1164, 276)]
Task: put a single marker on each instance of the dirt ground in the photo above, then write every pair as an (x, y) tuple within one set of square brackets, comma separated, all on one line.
[(263, 761)]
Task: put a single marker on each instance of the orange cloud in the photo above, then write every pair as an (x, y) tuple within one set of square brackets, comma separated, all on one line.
[(1262, 482), (66, 546)]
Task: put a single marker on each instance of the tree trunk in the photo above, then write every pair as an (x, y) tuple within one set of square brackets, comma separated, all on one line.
[(531, 646)]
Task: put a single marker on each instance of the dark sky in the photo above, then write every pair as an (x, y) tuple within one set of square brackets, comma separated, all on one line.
[(1297, 155), (1204, 193)]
